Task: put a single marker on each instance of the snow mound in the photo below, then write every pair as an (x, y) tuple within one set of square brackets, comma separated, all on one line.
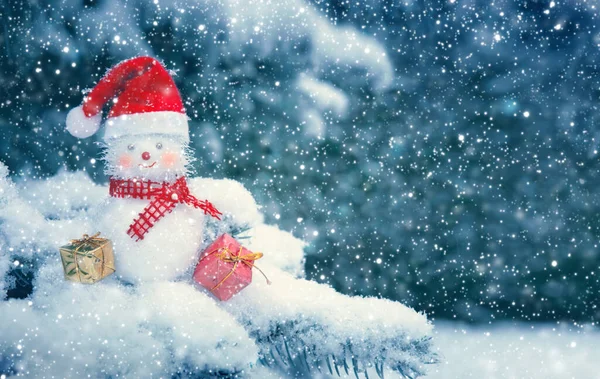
[(52, 327), (280, 248), (65, 329), (291, 312)]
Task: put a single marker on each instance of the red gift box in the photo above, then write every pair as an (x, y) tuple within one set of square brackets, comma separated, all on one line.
[(225, 267)]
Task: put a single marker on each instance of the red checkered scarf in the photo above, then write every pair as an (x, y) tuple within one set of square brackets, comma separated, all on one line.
[(165, 197)]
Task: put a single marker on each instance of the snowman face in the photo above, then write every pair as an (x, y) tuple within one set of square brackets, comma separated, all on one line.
[(153, 157)]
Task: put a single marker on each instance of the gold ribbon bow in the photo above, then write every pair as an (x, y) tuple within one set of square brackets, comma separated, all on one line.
[(226, 256), (93, 240)]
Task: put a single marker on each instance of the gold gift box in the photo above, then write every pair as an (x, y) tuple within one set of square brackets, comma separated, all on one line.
[(88, 260)]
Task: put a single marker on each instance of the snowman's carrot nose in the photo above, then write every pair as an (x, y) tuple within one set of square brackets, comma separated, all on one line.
[(145, 155)]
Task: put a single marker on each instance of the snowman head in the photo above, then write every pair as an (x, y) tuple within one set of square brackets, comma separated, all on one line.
[(146, 130), (156, 157)]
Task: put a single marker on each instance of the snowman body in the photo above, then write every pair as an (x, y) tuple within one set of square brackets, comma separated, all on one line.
[(166, 252)]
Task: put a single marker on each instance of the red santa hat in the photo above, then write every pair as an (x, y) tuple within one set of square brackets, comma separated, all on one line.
[(143, 100)]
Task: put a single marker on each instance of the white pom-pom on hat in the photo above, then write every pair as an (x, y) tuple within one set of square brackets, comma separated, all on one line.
[(81, 126)]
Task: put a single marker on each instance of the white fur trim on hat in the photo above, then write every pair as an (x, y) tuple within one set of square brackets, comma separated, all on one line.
[(81, 126), (164, 122)]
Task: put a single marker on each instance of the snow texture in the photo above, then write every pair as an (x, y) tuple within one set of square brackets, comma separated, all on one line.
[(516, 350), (330, 326), (71, 330), (160, 328)]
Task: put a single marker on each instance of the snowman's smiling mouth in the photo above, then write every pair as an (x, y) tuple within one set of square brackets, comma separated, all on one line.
[(143, 166)]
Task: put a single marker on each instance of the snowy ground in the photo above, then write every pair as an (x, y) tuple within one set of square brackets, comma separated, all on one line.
[(518, 350)]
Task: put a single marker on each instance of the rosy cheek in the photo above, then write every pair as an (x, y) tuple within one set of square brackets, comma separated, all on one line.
[(169, 159), (125, 161)]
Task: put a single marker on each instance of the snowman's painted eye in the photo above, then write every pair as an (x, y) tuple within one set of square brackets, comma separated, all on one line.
[(131, 147), (159, 146)]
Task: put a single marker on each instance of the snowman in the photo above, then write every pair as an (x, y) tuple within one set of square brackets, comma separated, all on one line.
[(152, 216), (157, 218)]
